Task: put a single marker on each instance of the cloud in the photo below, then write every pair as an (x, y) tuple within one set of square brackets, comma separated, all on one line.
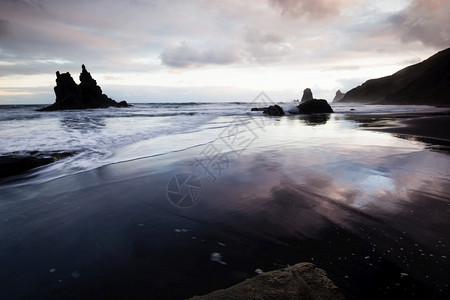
[(313, 9), (188, 56), (263, 44), (343, 67), (253, 35), (4, 27), (426, 21), (265, 47)]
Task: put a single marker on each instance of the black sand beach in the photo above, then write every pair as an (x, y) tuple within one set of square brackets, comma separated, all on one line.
[(431, 125), (369, 208)]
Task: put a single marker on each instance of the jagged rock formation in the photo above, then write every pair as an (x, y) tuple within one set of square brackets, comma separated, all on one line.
[(87, 94), (301, 281), (339, 95), (307, 95), (427, 82)]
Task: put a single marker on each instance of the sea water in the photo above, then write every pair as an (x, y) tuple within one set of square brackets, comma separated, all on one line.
[(104, 136)]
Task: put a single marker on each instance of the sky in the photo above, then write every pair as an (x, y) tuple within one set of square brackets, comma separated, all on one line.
[(213, 50)]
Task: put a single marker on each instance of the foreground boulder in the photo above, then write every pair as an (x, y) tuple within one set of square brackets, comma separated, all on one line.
[(87, 94), (301, 281), (314, 106), (17, 163)]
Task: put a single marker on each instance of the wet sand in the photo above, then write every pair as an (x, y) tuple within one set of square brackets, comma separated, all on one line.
[(431, 125), (371, 209)]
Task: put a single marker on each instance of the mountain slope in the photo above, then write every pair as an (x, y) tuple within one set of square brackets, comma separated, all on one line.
[(427, 82)]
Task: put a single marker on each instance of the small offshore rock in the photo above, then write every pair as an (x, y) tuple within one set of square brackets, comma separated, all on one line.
[(274, 110), (315, 106), (258, 108)]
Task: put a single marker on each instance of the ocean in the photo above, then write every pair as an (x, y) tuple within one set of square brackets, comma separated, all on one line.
[(171, 200), (105, 136)]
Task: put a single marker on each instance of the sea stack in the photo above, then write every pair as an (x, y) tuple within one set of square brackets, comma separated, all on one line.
[(309, 105), (87, 94), (307, 95)]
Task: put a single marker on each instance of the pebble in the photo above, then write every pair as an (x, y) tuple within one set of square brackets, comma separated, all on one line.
[(217, 257)]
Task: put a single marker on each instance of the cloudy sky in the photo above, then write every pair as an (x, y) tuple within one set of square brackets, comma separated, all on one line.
[(213, 50)]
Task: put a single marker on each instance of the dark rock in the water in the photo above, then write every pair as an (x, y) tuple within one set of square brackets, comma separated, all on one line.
[(258, 108), (307, 95), (274, 110), (123, 104), (339, 95), (314, 106), (301, 281), (427, 83), (85, 95), (17, 163)]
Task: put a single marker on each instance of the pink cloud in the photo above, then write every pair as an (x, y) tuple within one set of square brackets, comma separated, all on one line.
[(426, 21)]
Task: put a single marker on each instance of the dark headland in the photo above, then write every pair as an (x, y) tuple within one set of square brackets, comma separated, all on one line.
[(85, 95), (427, 83)]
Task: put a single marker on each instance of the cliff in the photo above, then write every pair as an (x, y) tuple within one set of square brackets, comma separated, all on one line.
[(427, 82)]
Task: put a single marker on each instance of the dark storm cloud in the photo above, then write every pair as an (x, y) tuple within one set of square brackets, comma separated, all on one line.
[(426, 21)]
